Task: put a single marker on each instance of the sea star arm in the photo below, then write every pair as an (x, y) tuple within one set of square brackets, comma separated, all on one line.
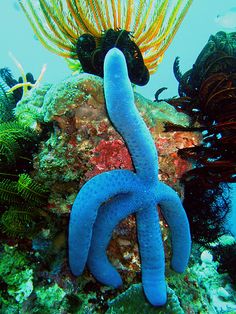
[(84, 211), (152, 255), (126, 118), (109, 215), (176, 218)]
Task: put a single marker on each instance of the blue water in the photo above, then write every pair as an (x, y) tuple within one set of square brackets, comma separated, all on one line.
[(17, 36)]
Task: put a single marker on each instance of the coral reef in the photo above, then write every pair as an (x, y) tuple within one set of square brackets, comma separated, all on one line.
[(16, 278), (46, 252), (96, 211), (28, 286), (22, 291), (76, 143), (80, 136), (73, 114), (220, 292), (59, 137), (29, 109)]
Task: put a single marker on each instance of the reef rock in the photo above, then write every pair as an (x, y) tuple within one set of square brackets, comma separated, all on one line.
[(82, 142), (133, 301)]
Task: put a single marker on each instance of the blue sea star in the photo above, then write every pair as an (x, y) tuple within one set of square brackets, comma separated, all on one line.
[(109, 197)]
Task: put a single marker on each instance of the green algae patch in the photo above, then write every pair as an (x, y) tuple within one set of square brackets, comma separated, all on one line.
[(17, 278)]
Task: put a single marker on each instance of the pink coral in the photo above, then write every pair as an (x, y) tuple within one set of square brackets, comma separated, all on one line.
[(109, 155)]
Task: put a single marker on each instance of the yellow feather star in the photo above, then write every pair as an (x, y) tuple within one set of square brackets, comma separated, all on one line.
[(153, 23)]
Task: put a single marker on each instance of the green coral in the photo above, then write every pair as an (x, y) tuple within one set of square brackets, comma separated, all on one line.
[(157, 112), (19, 293), (11, 260), (54, 300), (29, 110), (50, 299), (17, 277), (20, 285)]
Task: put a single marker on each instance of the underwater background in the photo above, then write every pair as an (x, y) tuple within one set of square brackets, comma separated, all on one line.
[(203, 19)]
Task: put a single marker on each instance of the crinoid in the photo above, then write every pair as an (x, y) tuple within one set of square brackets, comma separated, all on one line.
[(19, 194), (109, 197), (209, 91), (10, 81), (11, 90), (218, 56), (142, 30), (21, 201), (208, 95)]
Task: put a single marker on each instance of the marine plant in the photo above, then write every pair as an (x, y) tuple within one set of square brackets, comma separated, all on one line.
[(111, 196), (86, 30), (208, 94)]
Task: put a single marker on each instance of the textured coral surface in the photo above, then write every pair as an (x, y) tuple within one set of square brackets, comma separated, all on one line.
[(80, 142), (77, 141), (83, 143)]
